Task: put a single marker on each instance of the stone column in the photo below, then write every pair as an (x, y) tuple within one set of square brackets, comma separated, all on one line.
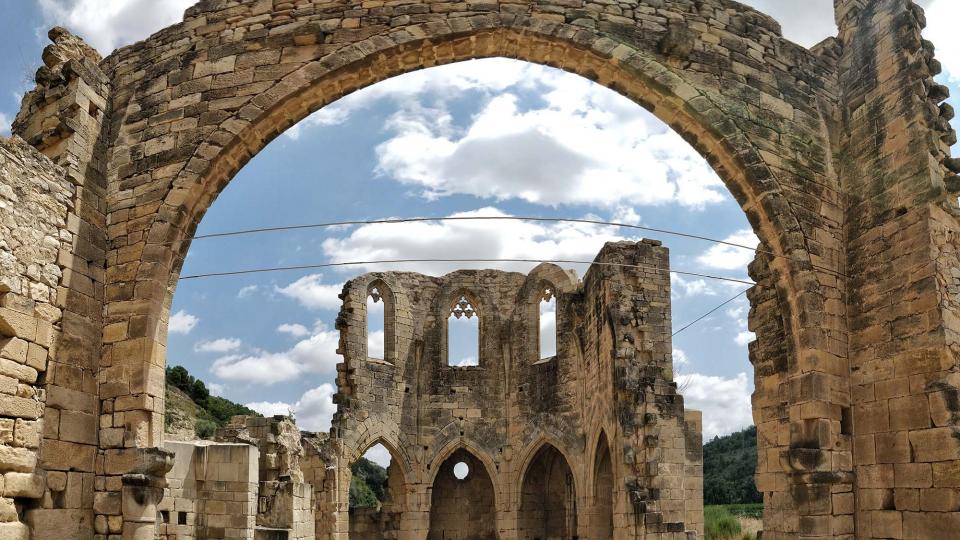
[(901, 228)]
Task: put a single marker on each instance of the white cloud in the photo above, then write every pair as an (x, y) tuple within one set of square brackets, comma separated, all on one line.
[(331, 115), (216, 389), (588, 146), (5, 122), (295, 330), (548, 328), (379, 455), (310, 292), (375, 344), (469, 240), (679, 357), (182, 322), (108, 24), (725, 402), (222, 345), (739, 314), (744, 338), (271, 408), (942, 17), (315, 354), (806, 23), (683, 287), (313, 411), (726, 257), (246, 292)]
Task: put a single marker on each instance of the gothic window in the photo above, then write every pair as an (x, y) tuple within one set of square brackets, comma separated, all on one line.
[(380, 318), (463, 334), (547, 322)]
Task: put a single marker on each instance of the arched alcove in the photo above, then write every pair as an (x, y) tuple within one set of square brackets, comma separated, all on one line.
[(376, 511), (548, 499), (716, 115), (601, 517), (463, 500), (463, 327)]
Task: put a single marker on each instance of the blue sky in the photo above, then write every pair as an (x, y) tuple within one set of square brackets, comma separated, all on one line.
[(491, 137)]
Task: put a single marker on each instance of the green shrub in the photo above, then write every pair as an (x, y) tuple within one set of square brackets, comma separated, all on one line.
[(720, 524)]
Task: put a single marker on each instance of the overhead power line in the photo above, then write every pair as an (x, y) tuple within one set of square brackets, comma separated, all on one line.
[(707, 314), (501, 218), (398, 261)]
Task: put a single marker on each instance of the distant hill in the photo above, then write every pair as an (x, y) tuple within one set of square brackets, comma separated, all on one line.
[(191, 412), (729, 464), (368, 485)]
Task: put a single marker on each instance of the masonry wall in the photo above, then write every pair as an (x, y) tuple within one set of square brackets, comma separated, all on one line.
[(612, 374)]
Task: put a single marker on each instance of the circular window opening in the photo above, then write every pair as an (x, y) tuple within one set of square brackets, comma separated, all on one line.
[(461, 470)]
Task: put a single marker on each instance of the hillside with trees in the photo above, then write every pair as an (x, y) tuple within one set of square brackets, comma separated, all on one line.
[(729, 464), (191, 408)]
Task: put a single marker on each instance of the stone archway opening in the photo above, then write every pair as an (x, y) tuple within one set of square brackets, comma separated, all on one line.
[(377, 495), (462, 500), (601, 518), (548, 498)]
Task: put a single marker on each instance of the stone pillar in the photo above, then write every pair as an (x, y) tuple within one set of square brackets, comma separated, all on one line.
[(63, 117), (902, 261)]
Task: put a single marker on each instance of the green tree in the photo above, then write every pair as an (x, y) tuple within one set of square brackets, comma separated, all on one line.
[(729, 464)]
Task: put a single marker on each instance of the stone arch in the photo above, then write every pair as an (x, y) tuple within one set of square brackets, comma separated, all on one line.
[(602, 489), (475, 450), (393, 514), (163, 183), (544, 439), (463, 507), (463, 303), (547, 482)]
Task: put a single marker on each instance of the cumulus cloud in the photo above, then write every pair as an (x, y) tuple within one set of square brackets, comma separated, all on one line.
[(469, 240), (942, 16), (806, 23), (108, 24), (222, 345), (216, 389), (310, 292), (5, 122), (182, 322), (580, 143), (725, 402), (375, 344), (315, 354), (684, 287), (313, 411), (248, 291), (295, 330), (726, 257), (581, 148), (679, 357), (739, 314)]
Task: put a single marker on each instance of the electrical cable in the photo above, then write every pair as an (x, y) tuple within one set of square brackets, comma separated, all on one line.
[(397, 261), (707, 314), (501, 218)]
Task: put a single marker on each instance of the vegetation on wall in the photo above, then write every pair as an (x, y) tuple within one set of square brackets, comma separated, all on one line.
[(729, 464), (368, 485), (211, 411)]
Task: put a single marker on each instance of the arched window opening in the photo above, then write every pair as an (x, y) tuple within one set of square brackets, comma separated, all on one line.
[(462, 507), (601, 522), (548, 502), (547, 326), (376, 323), (463, 334), (376, 495)]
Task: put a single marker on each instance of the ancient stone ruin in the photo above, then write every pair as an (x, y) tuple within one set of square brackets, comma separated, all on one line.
[(538, 435), (838, 154)]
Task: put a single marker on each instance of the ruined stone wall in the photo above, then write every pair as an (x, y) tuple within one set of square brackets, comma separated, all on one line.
[(612, 374), (211, 491), (36, 199)]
